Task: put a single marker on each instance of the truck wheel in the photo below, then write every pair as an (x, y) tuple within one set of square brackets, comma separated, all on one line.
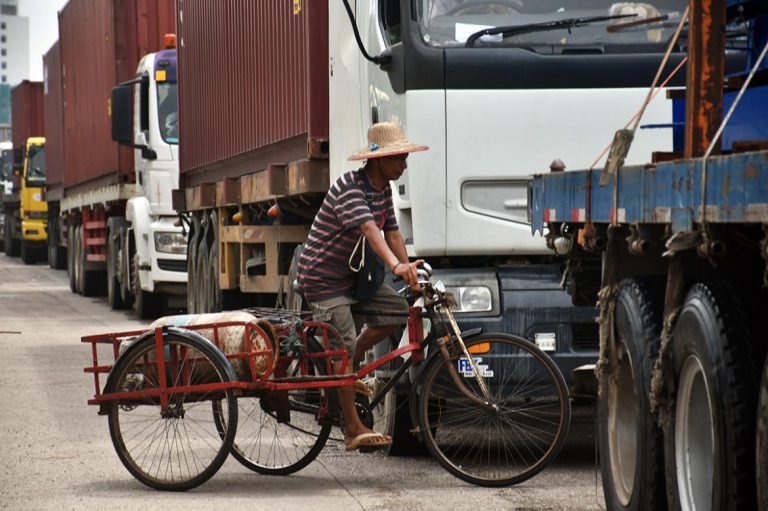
[(114, 294), (192, 266), (709, 440), (91, 282), (27, 253), (12, 248), (146, 305), (629, 438), (79, 259), (762, 441), (216, 300), (294, 299), (71, 255), (202, 278)]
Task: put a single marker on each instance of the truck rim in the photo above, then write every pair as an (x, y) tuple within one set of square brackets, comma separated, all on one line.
[(622, 427), (694, 438)]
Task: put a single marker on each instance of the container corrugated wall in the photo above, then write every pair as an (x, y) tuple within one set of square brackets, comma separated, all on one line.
[(54, 127), (26, 112), (253, 84), (101, 43)]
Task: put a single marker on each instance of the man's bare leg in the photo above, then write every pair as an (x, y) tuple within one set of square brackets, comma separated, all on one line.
[(367, 339)]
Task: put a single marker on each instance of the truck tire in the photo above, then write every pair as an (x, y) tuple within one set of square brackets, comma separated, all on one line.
[(12, 248), (762, 441), (57, 255), (71, 256), (192, 245), (146, 305), (629, 437), (294, 299), (27, 253), (79, 259), (202, 278), (114, 292), (715, 398), (91, 282), (216, 299)]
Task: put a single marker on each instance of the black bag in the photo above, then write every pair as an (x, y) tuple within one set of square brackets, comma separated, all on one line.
[(371, 270), (370, 276)]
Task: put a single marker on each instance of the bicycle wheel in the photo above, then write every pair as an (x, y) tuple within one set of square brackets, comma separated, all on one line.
[(267, 446), (181, 447), (510, 441)]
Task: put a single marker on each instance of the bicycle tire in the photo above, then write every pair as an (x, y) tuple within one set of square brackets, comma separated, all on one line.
[(182, 448), (268, 447), (507, 444)]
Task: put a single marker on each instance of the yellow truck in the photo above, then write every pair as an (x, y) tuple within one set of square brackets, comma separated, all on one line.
[(25, 209)]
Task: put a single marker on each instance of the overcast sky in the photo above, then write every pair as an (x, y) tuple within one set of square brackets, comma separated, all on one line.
[(43, 30)]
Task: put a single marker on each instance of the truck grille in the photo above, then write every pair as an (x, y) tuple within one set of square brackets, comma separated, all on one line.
[(586, 336), (172, 264)]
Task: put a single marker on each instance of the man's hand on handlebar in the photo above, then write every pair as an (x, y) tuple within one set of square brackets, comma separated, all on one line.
[(409, 273)]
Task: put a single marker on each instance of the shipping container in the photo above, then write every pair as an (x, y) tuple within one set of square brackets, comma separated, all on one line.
[(101, 43), (54, 121), (253, 85), (26, 112)]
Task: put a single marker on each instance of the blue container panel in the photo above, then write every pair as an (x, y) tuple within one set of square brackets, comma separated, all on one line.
[(737, 192)]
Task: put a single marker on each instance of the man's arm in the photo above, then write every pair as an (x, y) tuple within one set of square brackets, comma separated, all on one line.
[(391, 249)]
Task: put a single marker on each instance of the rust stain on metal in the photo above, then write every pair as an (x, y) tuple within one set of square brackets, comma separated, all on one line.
[(725, 189), (751, 172)]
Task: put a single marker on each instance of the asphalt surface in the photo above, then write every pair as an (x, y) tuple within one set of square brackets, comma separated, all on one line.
[(56, 452)]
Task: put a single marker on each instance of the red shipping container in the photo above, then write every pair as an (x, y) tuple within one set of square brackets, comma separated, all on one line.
[(253, 85), (26, 112), (101, 44), (54, 121)]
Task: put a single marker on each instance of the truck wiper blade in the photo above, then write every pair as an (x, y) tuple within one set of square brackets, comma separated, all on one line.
[(569, 23)]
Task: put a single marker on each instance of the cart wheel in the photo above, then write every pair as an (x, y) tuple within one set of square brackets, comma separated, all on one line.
[(513, 439), (267, 446), (178, 448)]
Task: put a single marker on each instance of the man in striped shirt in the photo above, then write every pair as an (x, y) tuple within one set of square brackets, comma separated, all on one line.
[(326, 273)]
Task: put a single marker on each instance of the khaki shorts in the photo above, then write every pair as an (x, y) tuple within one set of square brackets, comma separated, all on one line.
[(338, 312)]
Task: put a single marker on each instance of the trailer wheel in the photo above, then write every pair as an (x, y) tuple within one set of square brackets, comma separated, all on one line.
[(11, 245), (27, 253), (79, 259), (294, 300), (203, 278), (709, 441), (57, 255), (629, 438), (71, 255), (192, 244), (762, 441), (216, 300), (91, 283)]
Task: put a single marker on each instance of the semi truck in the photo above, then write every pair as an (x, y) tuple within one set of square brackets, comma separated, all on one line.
[(24, 207), (306, 79), (110, 203), (675, 252)]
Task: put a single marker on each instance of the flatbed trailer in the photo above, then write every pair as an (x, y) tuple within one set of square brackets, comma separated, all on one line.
[(676, 254)]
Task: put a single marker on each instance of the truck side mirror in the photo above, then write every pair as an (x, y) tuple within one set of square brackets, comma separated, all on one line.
[(122, 114)]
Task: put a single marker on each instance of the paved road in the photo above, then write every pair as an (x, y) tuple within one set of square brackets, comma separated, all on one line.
[(56, 453)]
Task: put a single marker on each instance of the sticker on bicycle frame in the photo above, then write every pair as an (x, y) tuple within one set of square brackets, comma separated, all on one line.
[(465, 368)]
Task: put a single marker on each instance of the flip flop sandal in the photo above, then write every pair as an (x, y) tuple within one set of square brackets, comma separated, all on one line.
[(355, 444)]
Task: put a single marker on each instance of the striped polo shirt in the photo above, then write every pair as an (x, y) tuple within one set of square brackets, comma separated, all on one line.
[(324, 270)]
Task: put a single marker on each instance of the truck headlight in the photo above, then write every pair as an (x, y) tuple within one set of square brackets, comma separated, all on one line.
[(170, 243), (472, 298)]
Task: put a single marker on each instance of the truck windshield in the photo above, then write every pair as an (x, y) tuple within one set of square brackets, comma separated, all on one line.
[(36, 164), (449, 23), (168, 112)]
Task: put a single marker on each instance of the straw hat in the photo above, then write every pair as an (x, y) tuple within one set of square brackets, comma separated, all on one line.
[(386, 139)]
